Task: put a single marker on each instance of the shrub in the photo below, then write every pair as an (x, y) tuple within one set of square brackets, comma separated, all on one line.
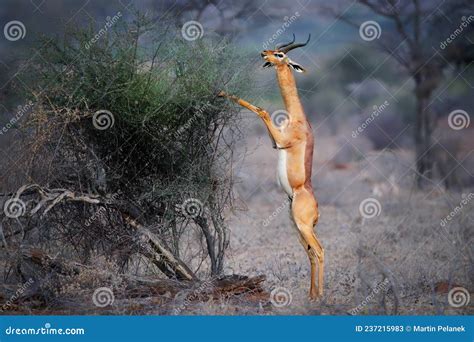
[(133, 118)]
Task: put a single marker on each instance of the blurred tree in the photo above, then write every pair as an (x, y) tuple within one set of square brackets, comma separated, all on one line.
[(410, 39), (226, 17)]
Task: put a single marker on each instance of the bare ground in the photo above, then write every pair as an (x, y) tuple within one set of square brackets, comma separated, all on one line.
[(402, 261)]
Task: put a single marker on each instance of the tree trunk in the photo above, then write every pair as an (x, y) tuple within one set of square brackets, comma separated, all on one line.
[(423, 136)]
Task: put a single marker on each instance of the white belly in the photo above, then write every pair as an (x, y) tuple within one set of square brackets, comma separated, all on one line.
[(282, 173)]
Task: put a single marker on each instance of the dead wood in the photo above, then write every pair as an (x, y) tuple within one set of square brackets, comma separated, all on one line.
[(159, 255), (138, 293), (151, 247)]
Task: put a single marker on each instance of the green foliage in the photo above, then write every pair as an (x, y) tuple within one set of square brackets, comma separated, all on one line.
[(172, 137), (164, 91)]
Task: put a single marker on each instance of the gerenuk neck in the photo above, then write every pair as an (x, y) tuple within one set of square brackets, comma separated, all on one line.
[(289, 93)]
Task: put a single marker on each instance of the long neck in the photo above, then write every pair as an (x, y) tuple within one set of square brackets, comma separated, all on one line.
[(289, 93)]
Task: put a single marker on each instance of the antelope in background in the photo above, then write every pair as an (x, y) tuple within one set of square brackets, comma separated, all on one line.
[(294, 141)]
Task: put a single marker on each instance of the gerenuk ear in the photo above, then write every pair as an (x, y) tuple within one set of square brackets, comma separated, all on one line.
[(296, 67)]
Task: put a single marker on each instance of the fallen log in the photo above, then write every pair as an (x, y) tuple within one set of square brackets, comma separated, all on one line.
[(153, 247), (138, 294), (218, 288), (159, 254), (41, 259)]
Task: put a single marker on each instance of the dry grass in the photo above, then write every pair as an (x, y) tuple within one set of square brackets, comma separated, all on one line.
[(405, 244), (400, 262)]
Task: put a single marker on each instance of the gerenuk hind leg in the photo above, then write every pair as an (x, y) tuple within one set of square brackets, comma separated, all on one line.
[(304, 211)]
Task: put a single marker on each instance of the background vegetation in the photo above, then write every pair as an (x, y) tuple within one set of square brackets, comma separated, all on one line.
[(149, 203), (158, 154)]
